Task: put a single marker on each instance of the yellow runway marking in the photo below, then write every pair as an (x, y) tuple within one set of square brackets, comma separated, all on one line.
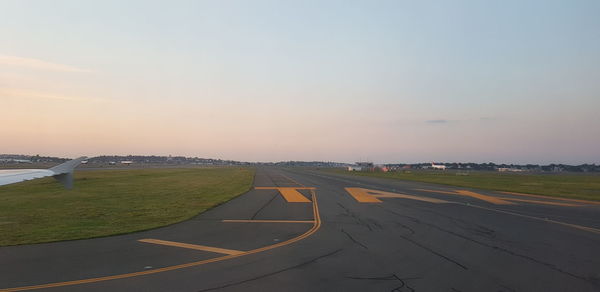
[(316, 226), (584, 228), (436, 191), (545, 202), (491, 199), (361, 195), (509, 201), (191, 246), (275, 188), (290, 194), (270, 221), (411, 197), (371, 196), (553, 198)]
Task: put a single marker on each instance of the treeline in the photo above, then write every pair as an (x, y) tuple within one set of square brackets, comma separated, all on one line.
[(305, 163), (19, 158), (494, 167), (152, 159)]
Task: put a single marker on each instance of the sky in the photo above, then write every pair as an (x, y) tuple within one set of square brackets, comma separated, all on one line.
[(385, 81)]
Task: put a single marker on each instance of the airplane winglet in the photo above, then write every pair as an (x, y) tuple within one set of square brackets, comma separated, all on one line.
[(64, 172)]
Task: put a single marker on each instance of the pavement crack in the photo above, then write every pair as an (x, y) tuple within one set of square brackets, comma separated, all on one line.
[(377, 224), (355, 217), (433, 252), (264, 206), (412, 231), (354, 240), (472, 228), (392, 277), (482, 230), (498, 248), (511, 289), (275, 272)]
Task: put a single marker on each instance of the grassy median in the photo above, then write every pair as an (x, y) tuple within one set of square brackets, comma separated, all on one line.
[(107, 202), (576, 186)]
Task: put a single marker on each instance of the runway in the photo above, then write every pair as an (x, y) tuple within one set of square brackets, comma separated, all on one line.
[(310, 230)]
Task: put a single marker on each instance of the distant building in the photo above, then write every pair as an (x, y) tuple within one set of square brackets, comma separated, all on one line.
[(366, 166), (16, 160), (362, 166), (382, 168), (438, 166), (509, 169)]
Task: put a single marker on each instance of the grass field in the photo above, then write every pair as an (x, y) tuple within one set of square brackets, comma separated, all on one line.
[(106, 202), (577, 186)]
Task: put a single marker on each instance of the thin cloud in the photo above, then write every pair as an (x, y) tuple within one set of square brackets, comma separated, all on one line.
[(475, 120), (38, 64), (437, 121), (33, 94), (485, 119)]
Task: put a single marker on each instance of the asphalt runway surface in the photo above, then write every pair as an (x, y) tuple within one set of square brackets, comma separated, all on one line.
[(308, 230)]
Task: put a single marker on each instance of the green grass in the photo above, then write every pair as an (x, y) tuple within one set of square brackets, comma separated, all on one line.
[(577, 186), (108, 202)]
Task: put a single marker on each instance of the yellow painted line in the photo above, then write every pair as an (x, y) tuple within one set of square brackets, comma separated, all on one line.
[(490, 199), (293, 196), (276, 188), (436, 191), (308, 233), (544, 202), (553, 198), (411, 197), (580, 227), (507, 201), (290, 194), (269, 221), (584, 228), (361, 195), (191, 246)]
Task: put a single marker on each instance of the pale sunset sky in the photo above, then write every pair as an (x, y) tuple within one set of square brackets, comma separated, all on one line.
[(386, 81)]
